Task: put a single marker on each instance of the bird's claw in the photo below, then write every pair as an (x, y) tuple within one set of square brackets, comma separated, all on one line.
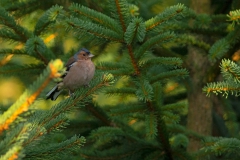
[(86, 85)]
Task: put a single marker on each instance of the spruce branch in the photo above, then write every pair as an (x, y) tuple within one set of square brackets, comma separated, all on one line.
[(8, 34), (36, 47), (219, 147), (119, 11), (12, 143), (167, 14), (162, 133), (174, 107), (234, 16), (144, 91), (230, 70), (20, 70), (106, 66), (176, 128), (222, 46), (117, 69), (12, 154), (151, 125), (161, 38), (86, 28), (166, 61), (29, 96), (219, 49), (133, 60), (56, 150), (223, 88), (119, 6), (65, 105), (9, 21), (56, 124), (99, 114), (21, 8), (170, 74), (48, 18), (186, 39), (95, 16), (120, 91), (106, 134), (231, 84), (125, 110), (12, 51), (135, 30)]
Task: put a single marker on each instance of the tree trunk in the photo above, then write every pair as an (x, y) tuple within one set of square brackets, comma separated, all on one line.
[(200, 106)]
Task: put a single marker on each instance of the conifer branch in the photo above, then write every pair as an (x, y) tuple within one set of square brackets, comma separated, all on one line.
[(151, 125), (234, 16), (166, 61), (106, 80), (223, 88), (117, 69), (12, 144), (69, 103), (127, 152), (36, 47), (9, 21), (186, 39), (57, 125), (12, 154), (9, 35), (120, 15), (222, 46), (162, 133), (121, 91), (165, 16), (231, 84), (126, 110), (170, 74), (101, 116), (55, 150), (135, 30), (230, 70), (130, 50), (47, 19), (176, 128), (27, 99), (134, 63), (45, 61), (18, 70), (95, 16), (13, 51), (85, 28), (144, 91), (161, 38)]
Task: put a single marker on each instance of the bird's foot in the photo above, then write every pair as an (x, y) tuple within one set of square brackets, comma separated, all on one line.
[(86, 85), (70, 93)]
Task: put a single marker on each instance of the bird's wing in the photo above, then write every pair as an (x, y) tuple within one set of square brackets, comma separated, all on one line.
[(68, 65)]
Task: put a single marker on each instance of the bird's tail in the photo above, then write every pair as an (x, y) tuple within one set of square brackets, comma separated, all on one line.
[(54, 93)]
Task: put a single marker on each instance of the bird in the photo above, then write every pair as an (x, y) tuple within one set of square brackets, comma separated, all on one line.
[(79, 72)]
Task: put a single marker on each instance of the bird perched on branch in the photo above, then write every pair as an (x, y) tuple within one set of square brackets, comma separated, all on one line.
[(79, 72)]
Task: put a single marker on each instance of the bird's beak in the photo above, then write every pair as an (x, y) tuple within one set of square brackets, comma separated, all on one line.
[(90, 55)]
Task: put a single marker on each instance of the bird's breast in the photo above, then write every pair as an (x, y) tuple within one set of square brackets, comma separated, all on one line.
[(80, 74)]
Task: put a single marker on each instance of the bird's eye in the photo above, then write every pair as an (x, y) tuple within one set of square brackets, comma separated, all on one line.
[(84, 54)]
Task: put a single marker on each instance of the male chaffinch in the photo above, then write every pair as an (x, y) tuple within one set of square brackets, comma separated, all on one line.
[(79, 72)]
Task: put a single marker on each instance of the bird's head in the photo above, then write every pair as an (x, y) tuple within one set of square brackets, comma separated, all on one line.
[(83, 54)]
